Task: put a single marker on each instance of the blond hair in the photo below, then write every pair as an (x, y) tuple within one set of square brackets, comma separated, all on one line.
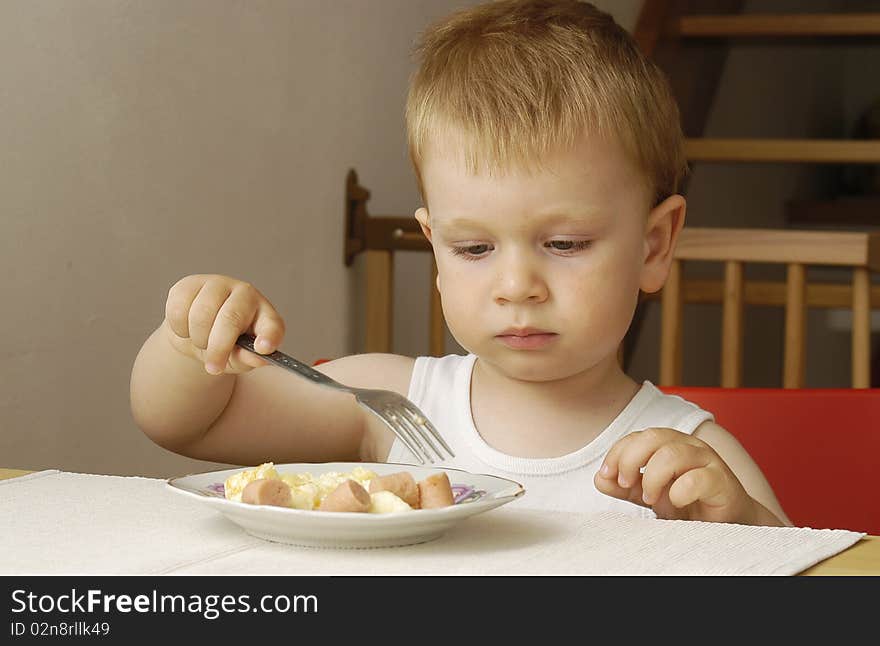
[(514, 80)]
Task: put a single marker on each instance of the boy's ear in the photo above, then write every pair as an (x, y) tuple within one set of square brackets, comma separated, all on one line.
[(661, 233), (424, 222), (422, 217)]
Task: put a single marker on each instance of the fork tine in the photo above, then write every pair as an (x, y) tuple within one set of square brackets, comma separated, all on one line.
[(400, 433), (439, 437), (399, 415), (423, 422), (414, 427)]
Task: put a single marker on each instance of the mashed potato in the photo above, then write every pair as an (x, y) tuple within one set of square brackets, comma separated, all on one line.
[(307, 490), (385, 502)]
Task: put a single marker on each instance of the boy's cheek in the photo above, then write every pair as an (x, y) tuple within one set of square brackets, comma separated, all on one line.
[(460, 285)]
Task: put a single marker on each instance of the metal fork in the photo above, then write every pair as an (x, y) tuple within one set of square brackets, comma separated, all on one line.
[(403, 417)]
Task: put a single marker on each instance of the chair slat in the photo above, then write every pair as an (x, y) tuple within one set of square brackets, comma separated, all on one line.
[(861, 328), (732, 326), (380, 288), (795, 327), (848, 249)]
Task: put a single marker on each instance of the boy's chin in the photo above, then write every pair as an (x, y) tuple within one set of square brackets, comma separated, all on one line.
[(531, 366)]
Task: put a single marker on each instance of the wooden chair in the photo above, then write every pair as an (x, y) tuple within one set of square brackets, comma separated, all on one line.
[(380, 236), (796, 249)]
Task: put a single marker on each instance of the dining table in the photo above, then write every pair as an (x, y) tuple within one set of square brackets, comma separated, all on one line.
[(861, 558)]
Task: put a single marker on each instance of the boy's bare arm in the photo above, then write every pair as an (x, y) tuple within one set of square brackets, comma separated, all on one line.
[(173, 399), (233, 418), (245, 415)]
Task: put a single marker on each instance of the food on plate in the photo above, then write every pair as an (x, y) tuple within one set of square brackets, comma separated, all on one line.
[(267, 491), (402, 485), (236, 483), (348, 496), (385, 502), (306, 490), (360, 490), (435, 491)]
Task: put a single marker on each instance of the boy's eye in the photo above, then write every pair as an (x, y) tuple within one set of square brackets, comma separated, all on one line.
[(472, 252), (568, 245)]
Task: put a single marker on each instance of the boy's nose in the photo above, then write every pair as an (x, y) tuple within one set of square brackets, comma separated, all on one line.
[(519, 281)]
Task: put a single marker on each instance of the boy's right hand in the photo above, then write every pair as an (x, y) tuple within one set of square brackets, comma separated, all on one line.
[(206, 313)]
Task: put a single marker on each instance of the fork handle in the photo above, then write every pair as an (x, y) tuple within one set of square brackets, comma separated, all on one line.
[(282, 360)]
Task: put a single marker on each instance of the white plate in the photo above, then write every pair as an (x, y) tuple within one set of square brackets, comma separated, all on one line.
[(474, 493)]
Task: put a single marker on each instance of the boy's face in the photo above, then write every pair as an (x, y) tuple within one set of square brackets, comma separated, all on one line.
[(539, 272)]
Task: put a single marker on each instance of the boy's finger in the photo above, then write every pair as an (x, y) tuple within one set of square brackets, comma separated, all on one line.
[(179, 302), (610, 487), (667, 464), (242, 360), (619, 456), (233, 317), (704, 484), (203, 312), (268, 328), (632, 452)]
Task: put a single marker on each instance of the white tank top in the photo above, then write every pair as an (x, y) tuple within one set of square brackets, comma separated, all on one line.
[(441, 388)]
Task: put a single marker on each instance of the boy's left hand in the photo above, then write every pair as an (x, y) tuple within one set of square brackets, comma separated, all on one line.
[(684, 478)]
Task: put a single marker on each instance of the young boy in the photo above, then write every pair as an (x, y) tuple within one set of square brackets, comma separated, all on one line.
[(548, 153)]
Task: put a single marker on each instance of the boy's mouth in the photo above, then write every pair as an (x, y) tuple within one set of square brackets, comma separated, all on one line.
[(526, 338)]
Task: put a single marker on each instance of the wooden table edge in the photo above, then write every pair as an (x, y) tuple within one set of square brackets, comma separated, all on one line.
[(6, 474), (853, 561)]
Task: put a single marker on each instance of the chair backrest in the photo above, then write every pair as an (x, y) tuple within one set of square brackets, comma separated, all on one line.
[(818, 448), (859, 251)]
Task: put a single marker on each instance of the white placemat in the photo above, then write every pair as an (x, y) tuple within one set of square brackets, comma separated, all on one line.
[(67, 523)]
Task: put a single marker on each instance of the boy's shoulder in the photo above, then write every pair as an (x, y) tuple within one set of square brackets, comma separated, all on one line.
[(371, 370)]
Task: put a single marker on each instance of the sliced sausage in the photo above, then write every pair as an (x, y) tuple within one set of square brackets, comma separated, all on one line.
[(402, 485), (348, 496), (267, 491), (435, 491)]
